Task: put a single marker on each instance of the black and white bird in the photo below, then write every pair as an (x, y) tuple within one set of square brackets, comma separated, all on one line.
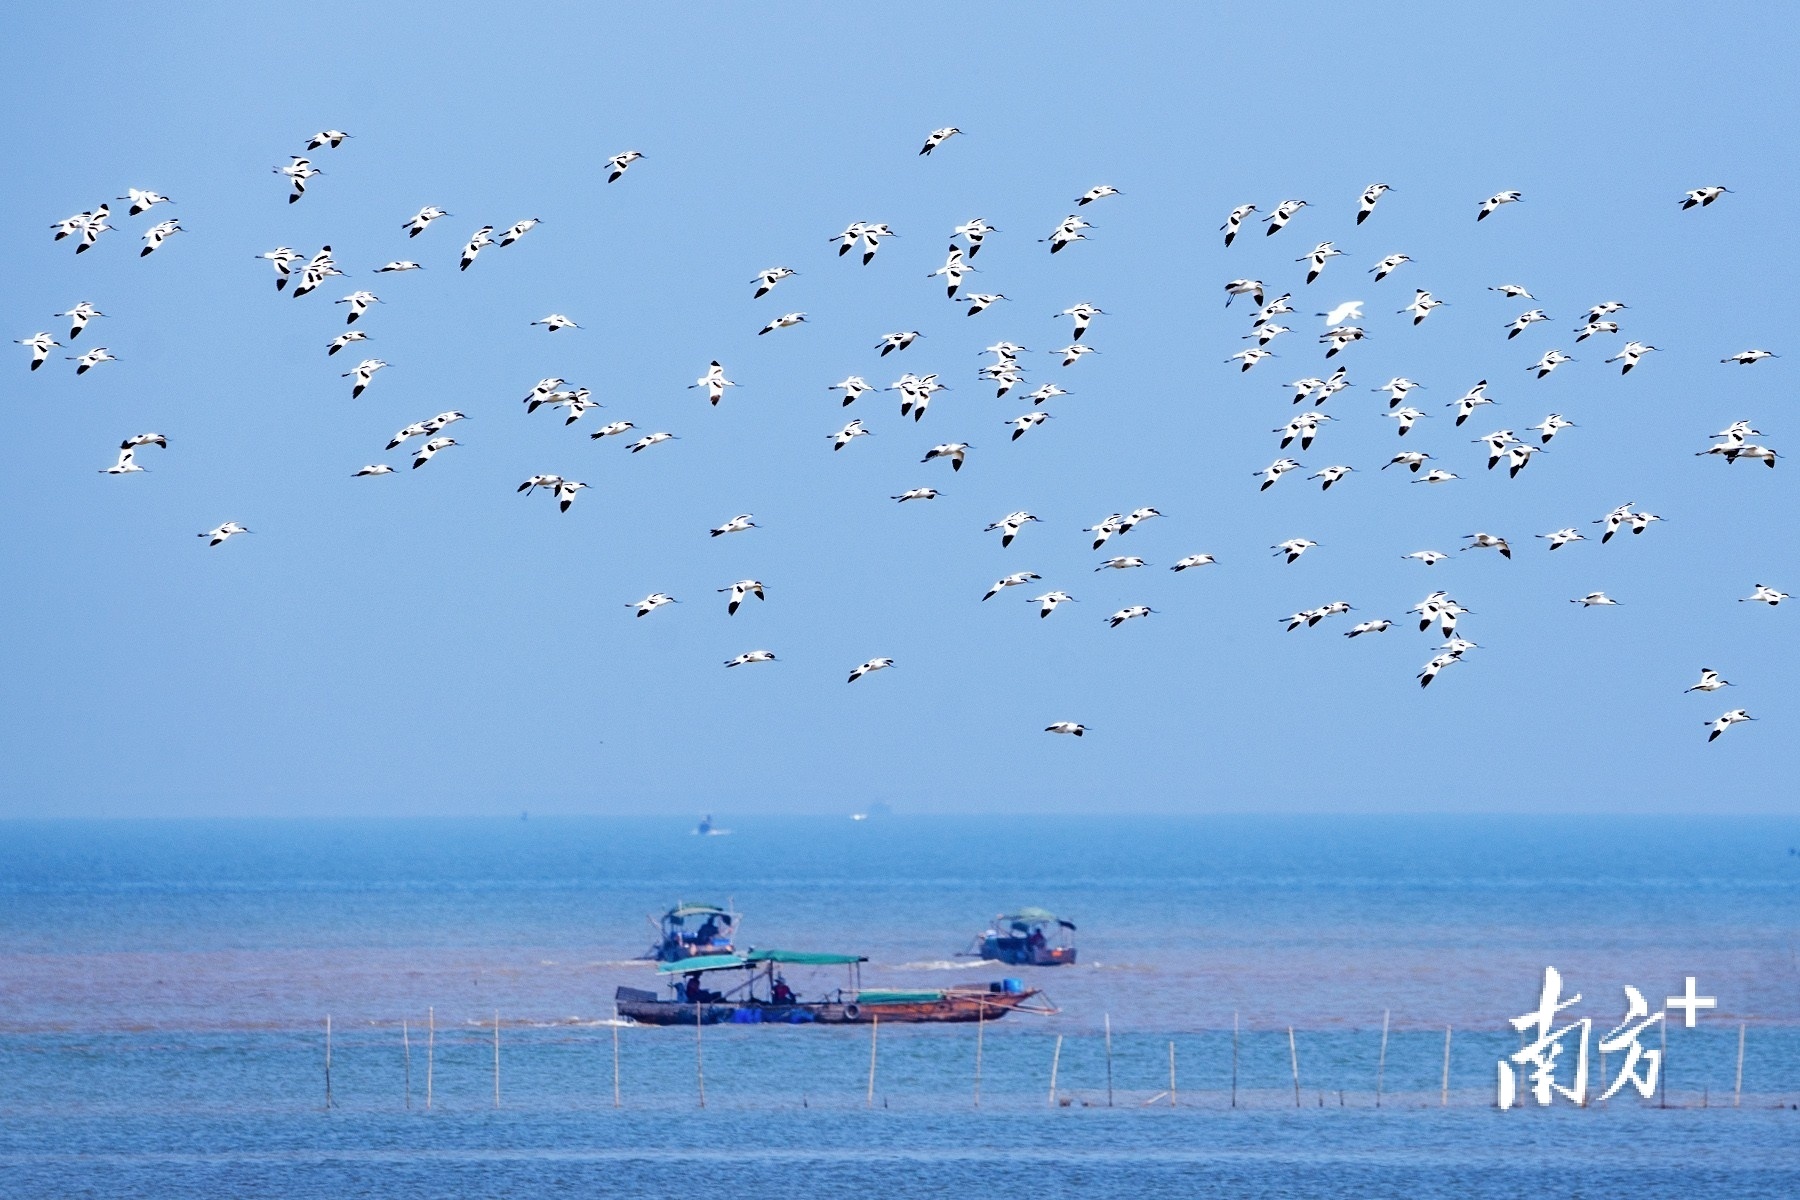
[(1071, 728), (399, 265), (540, 481), (372, 469), (1397, 389), (752, 656), (1410, 459), (1487, 541), (126, 464), (1193, 560), (283, 258), (1329, 476), (566, 492), (1249, 358), (1551, 425), (1388, 265), (40, 345), (326, 137), (1437, 477), (362, 374), (1562, 537), (1016, 579), (714, 382), (298, 171), (432, 449), (1121, 563), (956, 452), (737, 524), (853, 387), (617, 165), (938, 137), (1703, 196), (1595, 599), (1098, 193), (518, 230), (784, 321), (972, 232), (79, 316), (157, 234), (1523, 321), (1274, 471), (1764, 594), (1277, 220), (1430, 558), (1252, 288), (1009, 527), (739, 592), (1363, 627), (1604, 309), (1423, 302), (979, 302), (143, 200), (92, 228), (1595, 329), (1495, 201), (918, 493), (1551, 360), (481, 239), (1632, 353), (613, 429), (1317, 257), (1466, 404), (1293, 548), (1234, 220), (650, 439), (1129, 614), (1341, 336), (359, 303), (1710, 681), (1720, 724), (1371, 194), (767, 278), (874, 664), (1025, 421), (556, 321), (1518, 457), (223, 533), (891, 342), (422, 220), (1068, 232), (1742, 358), (1047, 603), (1405, 416), (93, 358), (651, 603), (953, 272), (1083, 315), (1432, 669), (848, 434)]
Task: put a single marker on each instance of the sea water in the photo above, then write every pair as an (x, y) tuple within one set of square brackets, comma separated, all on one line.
[(164, 989)]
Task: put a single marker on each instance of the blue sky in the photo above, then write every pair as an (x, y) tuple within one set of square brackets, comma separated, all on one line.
[(431, 642)]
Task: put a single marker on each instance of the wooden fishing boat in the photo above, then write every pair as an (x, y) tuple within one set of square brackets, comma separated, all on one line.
[(762, 996)]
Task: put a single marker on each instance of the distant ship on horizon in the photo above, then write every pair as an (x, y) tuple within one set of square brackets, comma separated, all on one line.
[(706, 828)]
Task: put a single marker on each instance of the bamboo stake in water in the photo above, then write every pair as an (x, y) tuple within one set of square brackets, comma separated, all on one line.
[(1737, 1092), (615, 1030), (1109, 1090), (1662, 1100), (1174, 1098), (699, 1057), (1234, 1048), (1381, 1064), (980, 1025), (1294, 1056), (874, 1033), (1055, 1061), (430, 1051), (328, 1060), (496, 1058), (1444, 1095), (406, 1048)]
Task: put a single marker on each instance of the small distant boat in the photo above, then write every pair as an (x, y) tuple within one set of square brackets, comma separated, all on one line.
[(706, 828), (692, 931), (1031, 937), (763, 997)]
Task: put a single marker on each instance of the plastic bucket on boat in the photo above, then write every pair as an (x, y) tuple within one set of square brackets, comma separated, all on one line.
[(1012, 987)]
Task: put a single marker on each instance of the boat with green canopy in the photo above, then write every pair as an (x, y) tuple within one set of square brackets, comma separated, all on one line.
[(752, 989), (692, 930), (1030, 937)]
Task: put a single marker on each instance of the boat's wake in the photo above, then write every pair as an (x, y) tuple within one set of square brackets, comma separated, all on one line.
[(967, 964)]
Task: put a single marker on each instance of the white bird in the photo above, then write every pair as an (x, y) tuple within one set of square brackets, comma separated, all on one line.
[(566, 492), (78, 316), (1422, 304), (142, 201), (1074, 352), (874, 664), (1194, 560), (93, 358), (1487, 541), (1279, 306), (482, 238), (159, 233), (422, 219), (1330, 475), (1429, 557), (1397, 389), (1284, 212), (1406, 416), (518, 230), (1098, 193), (767, 278), (1248, 357), (137, 440), (359, 303), (1046, 391), (753, 656), (1519, 323), (1513, 291), (1605, 308), (954, 271), (1030, 420), (1722, 723), (1710, 681), (852, 387), (1551, 425), (1363, 627), (1252, 288), (126, 464), (362, 374), (1370, 195), (848, 434), (1551, 360), (1127, 614), (1640, 521), (283, 258), (651, 603), (1497, 443), (1469, 401), (540, 481), (1764, 594), (1594, 598), (1630, 355), (1613, 521), (1067, 232), (1293, 548), (1071, 728), (1265, 333), (1702, 197), (891, 342), (1317, 257), (938, 137), (618, 163), (785, 321), (1437, 664), (973, 232), (649, 440), (1120, 563), (372, 469), (92, 227), (1234, 219), (1437, 477), (979, 302), (1083, 315), (1049, 600), (1274, 471), (1016, 579), (739, 592), (1340, 337), (542, 392), (1562, 537), (40, 345), (920, 493), (1595, 328), (714, 382), (1388, 265), (430, 449), (1518, 457), (612, 430), (1136, 517), (737, 524), (1410, 459), (556, 321), (69, 226), (222, 533), (956, 452), (1103, 530), (399, 265), (1009, 527), (326, 137), (1742, 358), (298, 171), (1495, 201)]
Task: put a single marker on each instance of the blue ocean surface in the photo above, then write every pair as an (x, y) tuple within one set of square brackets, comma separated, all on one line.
[(165, 987)]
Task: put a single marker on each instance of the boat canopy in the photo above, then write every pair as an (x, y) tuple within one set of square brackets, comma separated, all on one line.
[(704, 962), (699, 910), (1033, 916), (805, 958), (891, 997)]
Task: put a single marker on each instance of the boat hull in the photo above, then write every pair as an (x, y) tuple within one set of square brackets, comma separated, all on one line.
[(646, 1008)]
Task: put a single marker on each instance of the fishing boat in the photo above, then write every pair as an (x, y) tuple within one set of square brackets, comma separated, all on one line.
[(757, 993), (691, 931), (1031, 937)]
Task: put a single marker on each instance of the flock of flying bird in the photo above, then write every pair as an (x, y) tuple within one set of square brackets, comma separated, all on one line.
[(863, 239)]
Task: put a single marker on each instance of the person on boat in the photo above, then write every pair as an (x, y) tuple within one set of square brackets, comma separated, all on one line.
[(780, 993), (1036, 941), (693, 992), (707, 932)]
